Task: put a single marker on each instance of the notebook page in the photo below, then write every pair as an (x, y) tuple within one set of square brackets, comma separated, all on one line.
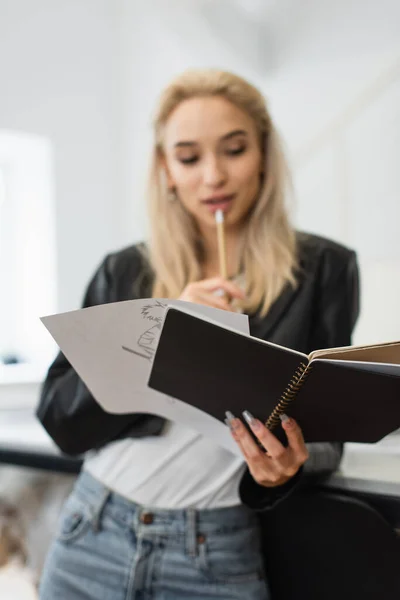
[(379, 353)]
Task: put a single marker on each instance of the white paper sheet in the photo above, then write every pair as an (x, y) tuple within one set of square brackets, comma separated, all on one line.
[(111, 347)]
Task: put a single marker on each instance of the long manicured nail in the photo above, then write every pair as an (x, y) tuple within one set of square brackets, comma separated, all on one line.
[(229, 416), (285, 419), (231, 420), (252, 421)]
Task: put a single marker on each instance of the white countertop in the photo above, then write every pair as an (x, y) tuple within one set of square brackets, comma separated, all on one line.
[(19, 430), (380, 462)]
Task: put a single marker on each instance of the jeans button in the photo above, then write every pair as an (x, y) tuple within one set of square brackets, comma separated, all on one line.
[(147, 518)]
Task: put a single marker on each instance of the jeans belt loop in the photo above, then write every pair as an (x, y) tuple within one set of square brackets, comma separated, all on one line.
[(191, 531), (99, 510)]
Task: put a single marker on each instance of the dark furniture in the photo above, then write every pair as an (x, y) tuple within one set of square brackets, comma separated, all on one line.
[(327, 545)]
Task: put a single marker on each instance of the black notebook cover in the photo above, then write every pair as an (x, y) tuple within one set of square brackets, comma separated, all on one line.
[(347, 404), (215, 369)]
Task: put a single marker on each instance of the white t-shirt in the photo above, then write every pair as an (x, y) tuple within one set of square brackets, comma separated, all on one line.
[(178, 469)]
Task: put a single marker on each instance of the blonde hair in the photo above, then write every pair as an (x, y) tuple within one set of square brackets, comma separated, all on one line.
[(268, 241)]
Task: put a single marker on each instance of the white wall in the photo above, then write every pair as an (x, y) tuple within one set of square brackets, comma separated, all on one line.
[(345, 141), (331, 74), (59, 78)]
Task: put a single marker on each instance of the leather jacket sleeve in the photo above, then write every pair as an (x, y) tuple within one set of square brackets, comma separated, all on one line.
[(66, 408), (337, 308)]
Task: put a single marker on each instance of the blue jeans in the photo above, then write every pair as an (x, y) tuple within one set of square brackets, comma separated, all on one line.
[(108, 548)]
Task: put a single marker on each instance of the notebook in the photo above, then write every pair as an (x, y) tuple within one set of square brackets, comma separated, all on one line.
[(349, 394)]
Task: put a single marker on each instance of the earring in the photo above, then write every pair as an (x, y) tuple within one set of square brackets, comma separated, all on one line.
[(172, 197)]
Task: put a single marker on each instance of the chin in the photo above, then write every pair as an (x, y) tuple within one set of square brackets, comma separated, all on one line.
[(234, 219)]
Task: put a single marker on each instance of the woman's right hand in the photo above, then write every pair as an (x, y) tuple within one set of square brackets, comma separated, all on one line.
[(208, 292)]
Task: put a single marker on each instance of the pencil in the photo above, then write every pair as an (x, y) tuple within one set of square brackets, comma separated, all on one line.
[(219, 219)]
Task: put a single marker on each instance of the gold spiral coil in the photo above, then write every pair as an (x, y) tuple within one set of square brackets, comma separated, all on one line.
[(288, 395)]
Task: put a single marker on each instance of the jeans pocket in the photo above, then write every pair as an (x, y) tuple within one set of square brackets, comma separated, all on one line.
[(75, 521), (231, 558)]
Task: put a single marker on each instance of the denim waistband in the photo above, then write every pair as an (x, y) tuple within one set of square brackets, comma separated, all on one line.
[(188, 521)]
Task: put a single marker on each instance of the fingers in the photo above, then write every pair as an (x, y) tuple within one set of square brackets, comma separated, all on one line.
[(205, 292), (280, 463), (274, 446), (268, 440), (210, 300), (262, 468), (250, 449), (295, 438), (218, 283)]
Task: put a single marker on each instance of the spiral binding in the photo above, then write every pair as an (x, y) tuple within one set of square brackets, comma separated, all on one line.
[(288, 395)]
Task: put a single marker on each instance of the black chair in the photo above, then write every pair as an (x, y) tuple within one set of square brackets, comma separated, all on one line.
[(320, 545)]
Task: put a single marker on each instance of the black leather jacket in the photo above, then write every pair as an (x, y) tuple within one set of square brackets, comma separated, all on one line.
[(319, 313)]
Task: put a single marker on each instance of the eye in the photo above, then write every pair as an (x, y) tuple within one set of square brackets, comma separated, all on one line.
[(236, 151), (190, 160)]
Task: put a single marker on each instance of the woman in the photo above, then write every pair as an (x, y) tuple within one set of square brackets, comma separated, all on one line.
[(159, 511)]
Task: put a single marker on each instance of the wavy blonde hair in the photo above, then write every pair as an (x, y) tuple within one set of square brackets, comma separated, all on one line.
[(268, 247)]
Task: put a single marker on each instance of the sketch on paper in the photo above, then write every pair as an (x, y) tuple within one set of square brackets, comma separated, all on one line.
[(147, 341)]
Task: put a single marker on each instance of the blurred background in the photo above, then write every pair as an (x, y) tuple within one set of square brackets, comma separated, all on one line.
[(78, 82)]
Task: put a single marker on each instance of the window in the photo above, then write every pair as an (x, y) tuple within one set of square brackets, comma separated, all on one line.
[(27, 255)]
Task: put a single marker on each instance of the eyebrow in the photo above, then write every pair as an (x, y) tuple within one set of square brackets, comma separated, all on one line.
[(225, 137)]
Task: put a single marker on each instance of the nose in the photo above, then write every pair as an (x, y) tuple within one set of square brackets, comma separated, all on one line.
[(214, 174)]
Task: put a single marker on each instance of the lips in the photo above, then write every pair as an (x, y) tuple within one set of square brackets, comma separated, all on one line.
[(219, 202)]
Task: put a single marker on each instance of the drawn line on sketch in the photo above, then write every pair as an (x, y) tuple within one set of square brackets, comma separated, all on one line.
[(147, 340), (148, 357)]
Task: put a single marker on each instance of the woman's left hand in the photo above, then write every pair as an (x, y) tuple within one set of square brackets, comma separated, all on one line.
[(273, 464)]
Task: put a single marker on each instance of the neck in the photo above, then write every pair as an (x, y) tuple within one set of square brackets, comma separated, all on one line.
[(211, 258)]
